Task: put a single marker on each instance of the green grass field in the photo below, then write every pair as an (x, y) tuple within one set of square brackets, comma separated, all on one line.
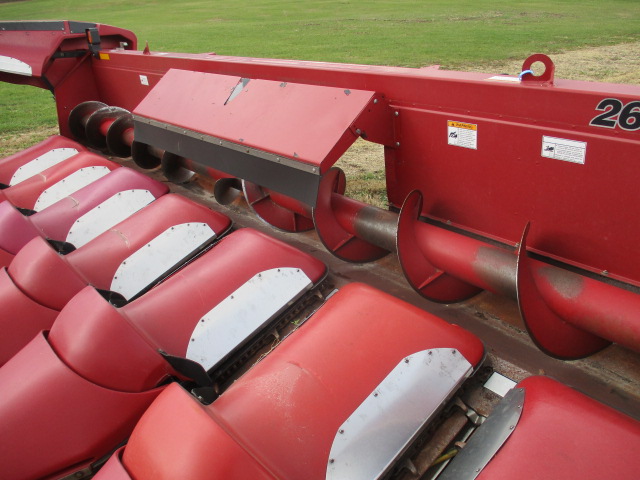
[(396, 32)]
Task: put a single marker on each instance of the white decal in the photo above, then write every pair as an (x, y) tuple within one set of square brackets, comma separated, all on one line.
[(562, 149), (460, 134)]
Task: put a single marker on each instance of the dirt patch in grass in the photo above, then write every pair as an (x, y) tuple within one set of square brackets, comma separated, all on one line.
[(11, 143), (363, 164), (612, 63)]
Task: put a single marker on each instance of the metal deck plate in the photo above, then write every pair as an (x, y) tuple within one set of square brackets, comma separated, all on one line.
[(488, 439), (13, 65), (390, 418), (160, 256), (41, 163), (239, 316), (109, 213), (69, 185), (499, 384)]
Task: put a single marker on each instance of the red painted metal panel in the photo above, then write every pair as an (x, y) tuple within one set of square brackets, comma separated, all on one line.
[(16, 230), (45, 276), (328, 367), (47, 47), (493, 190), (15, 307), (176, 425), (308, 124), (10, 164), (5, 257), (564, 434), (214, 277), (110, 353), (26, 193), (103, 346), (98, 260), (579, 212), (52, 418), (56, 221), (41, 281), (114, 469)]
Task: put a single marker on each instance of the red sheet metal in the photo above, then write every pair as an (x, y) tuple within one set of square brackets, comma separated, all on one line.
[(10, 164), (5, 257), (16, 231), (105, 348), (26, 193), (43, 280), (495, 189), (304, 123), (564, 434), (53, 419), (204, 446), (327, 367), (98, 260), (114, 469), (49, 48), (228, 266), (280, 135), (16, 306), (54, 222), (42, 274), (498, 194), (165, 316), (101, 364)]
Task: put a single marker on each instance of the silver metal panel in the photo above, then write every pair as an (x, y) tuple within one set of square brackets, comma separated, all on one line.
[(392, 416), (254, 152), (69, 185), (109, 213), (499, 384), (159, 256), (13, 65), (41, 163), (238, 317), (287, 176), (487, 440)]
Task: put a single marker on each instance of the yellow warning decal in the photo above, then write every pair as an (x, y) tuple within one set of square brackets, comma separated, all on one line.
[(461, 134), (468, 126), (104, 56)]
